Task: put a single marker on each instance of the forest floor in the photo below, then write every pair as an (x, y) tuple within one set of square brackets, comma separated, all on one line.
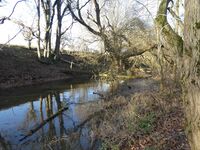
[(141, 116), (19, 66)]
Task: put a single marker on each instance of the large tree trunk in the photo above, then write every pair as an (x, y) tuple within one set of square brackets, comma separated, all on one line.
[(168, 38), (191, 70)]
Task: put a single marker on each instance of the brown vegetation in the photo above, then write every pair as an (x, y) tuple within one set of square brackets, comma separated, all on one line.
[(143, 118)]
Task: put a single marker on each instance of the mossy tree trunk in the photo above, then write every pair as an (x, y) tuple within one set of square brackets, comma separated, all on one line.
[(167, 37), (188, 55), (191, 68)]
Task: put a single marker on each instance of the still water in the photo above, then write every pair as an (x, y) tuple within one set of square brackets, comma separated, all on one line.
[(23, 109)]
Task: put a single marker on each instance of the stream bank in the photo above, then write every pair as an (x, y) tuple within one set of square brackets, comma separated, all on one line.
[(141, 116), (20, 66)]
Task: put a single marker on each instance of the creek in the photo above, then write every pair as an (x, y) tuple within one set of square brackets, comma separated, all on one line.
[(23, 109)]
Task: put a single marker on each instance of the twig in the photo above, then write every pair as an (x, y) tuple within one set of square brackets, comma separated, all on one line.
[(4, 18), (12, 38)]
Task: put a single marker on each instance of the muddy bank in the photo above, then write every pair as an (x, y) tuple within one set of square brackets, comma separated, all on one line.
[(19, 66)]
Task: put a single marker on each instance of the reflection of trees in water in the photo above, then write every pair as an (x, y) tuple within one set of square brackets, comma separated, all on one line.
[(4, 145), (55, 133), (64, 138), (31, 116), (49, 112), (50, 108)]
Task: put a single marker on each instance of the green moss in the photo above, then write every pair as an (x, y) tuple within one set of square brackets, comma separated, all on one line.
[(145, 124), (161, 18), (106, 145)]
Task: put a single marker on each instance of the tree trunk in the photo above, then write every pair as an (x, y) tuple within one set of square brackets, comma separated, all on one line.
[(38, 25), (48, 22), (58, 30), (29, 44), (168, 38), (191, 70)]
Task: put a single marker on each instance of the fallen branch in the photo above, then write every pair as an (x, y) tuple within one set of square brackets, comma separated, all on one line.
[(31, 132), (99, 94), (69, 62)]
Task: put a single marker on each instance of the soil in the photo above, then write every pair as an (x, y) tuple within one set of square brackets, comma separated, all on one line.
[(20, 66)]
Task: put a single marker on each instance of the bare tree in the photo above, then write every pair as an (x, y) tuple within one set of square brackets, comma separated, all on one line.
[(37, 3), (49, 15), (61, 13), (112, 33), (2, 19), (28, 36)]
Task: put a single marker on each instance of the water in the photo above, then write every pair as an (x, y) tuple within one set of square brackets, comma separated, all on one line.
[(23, 109)]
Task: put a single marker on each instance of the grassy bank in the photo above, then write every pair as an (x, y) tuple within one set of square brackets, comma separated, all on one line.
[(142, 117)]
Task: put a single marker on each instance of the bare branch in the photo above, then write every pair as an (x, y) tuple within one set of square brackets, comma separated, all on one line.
[(70, 26), (135, 52), (13, 10), (80, 19), (97, 10), (85, 4), (176, 17), (12, 38)]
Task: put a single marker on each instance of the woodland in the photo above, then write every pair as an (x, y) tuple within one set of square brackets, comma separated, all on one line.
[(148, 51)]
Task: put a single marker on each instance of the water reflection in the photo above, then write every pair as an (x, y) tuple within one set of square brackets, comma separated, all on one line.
[(26, 111)]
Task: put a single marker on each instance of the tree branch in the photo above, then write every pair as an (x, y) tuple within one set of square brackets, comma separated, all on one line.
[(80, 19), (6, 18), (171, 39), (176, 17), (135, 52), (97, 10)]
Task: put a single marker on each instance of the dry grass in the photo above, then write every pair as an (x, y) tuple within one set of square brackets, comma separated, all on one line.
[(147, 120), (141, 120)]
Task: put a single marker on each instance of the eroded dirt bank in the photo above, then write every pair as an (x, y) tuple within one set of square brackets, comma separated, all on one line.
[(19, 66)]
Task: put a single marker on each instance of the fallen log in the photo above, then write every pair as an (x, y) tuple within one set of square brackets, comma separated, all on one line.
[(31, 132)]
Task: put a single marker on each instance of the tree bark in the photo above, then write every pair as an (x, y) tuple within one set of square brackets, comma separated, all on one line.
[(46, 6), (38, 25), (58, 30), (190, 71), (167, 37)]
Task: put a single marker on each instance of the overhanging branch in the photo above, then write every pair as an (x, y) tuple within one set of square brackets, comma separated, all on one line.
[(80, 19), (135, 52)]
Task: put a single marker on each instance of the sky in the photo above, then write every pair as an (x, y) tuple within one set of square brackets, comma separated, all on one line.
[(25, 11), (9, 29)]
